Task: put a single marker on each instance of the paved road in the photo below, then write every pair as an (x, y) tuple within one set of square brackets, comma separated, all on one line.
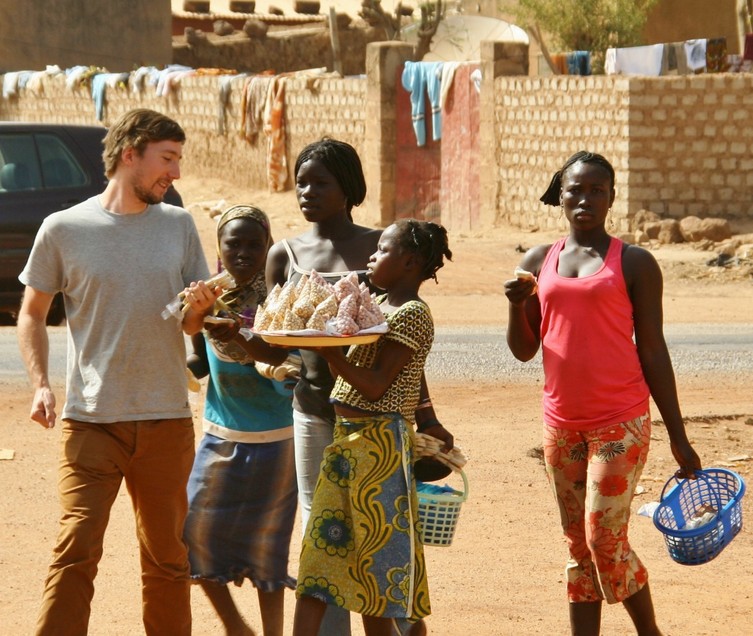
[(481, 353)]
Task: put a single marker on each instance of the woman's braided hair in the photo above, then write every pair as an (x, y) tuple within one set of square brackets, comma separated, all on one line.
[(426, 239), (343, 162), (552, 194)]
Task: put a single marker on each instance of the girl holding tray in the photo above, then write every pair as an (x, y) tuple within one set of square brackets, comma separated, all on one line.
[(361, 548)]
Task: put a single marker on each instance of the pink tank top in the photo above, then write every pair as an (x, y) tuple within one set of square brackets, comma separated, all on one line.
[(592, 374)]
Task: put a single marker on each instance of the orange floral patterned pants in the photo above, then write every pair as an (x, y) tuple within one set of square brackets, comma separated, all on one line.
[(594, 474)]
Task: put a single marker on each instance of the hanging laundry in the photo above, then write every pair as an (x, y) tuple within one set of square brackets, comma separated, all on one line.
[(253, 102), (559, 62), (420, 79), (74, 76), (716, 55), (674, 61), (695, 52), (100, 83), (748, 50), (634, 60), (171, 76), (139, 78), (578, 62), (274, 128), (448, 74), (226, 85), (476, 77), (13, 81)]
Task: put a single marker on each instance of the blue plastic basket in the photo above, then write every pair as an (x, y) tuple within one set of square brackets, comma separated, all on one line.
[(718, 488)]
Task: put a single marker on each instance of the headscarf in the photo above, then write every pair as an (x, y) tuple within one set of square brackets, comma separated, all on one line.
[(244, 212), (244, 299)]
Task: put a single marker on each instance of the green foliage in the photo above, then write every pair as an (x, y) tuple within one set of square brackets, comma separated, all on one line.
[(587, 25)]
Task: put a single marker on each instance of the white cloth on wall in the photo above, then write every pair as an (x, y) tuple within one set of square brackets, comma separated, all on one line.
[(634, 60), (10, 84), (448, 74), (476, 78), (73, 76), (695, 53)]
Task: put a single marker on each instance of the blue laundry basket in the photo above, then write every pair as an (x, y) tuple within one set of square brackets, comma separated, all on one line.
[(715, 489)]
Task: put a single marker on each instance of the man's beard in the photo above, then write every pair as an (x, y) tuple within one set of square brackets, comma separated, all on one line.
[(147, 196)]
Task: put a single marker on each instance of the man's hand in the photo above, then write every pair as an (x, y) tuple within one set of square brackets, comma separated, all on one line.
[(43, 407)]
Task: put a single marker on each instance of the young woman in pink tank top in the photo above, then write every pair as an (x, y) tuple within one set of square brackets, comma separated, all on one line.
[(594, 307)]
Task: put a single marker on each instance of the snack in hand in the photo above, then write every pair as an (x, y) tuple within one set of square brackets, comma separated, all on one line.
[(178, 306), (522, 274)]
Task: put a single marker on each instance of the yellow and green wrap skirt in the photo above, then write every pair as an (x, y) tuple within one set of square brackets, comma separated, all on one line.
[(361, 548)]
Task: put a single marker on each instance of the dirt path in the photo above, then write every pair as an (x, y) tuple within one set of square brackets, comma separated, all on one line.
[(503, 575)]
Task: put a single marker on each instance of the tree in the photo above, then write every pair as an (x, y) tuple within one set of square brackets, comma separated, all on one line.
[(586, 25), (432, 13)]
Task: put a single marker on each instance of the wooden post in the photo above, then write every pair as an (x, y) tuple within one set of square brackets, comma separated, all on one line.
[(334, 35)]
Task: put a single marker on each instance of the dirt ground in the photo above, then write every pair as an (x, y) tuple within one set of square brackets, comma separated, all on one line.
[(503, 574)]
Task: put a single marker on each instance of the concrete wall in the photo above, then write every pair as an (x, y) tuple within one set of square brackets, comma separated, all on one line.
[(680, 145), (314, 107), (34, 34)]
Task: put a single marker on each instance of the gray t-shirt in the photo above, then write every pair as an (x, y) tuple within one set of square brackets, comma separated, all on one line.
[(117, 273)]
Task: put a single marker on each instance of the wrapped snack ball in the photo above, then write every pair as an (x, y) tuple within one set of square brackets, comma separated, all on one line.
[(348, 307), (367, 318), (345, 325), (293, 322), (324, 311), (346, 286), (303, 306), (299, 286), (320, 289), (286, 299)]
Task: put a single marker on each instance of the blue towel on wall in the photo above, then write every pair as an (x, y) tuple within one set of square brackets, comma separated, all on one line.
[(420, 79)]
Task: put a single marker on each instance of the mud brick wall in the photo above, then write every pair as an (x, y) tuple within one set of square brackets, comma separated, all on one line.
[(680, 145), (314, 107), (691, 145), (539, 122)]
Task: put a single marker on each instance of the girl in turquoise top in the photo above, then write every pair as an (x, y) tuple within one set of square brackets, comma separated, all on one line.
[(242, 490)]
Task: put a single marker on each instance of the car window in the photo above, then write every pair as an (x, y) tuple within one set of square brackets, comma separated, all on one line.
[(59, 167), (36, 161), (20, 167)]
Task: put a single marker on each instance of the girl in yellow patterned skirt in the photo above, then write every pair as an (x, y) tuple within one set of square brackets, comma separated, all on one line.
[(362, 549)]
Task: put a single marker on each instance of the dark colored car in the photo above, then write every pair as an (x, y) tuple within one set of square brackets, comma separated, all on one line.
[(43, 168)]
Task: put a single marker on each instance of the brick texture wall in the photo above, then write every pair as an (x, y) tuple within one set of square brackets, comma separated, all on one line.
[(679, 145), (314, 107), (539, 122)]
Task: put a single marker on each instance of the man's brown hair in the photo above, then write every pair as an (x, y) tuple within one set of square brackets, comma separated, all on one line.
[(136, 129)]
